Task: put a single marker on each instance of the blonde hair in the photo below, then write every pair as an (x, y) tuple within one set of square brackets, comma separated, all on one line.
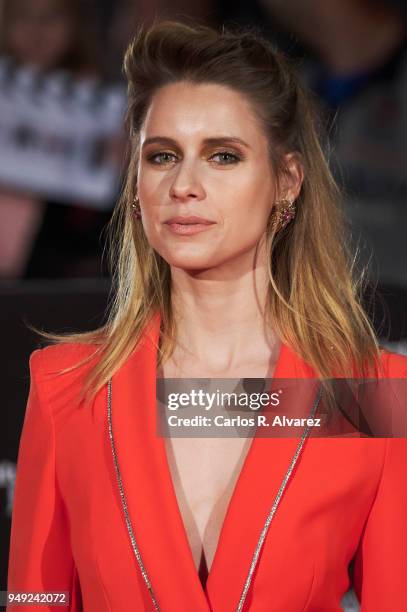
[(313, 300)]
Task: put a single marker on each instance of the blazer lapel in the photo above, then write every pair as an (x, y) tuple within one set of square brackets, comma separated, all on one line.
[(151, 500), (256, 488)]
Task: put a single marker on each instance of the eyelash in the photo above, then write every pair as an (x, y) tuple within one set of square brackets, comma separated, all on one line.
[(236, 158)]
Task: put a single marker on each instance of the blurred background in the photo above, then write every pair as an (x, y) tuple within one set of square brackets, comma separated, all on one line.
[(62, 149)]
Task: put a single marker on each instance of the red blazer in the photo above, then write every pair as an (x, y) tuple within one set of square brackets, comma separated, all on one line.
[(346, 499)]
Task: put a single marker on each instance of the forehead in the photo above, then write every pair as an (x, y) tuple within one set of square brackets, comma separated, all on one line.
[(200, 110)]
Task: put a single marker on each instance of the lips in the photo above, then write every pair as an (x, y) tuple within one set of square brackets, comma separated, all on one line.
[(188, 228), (192, 220)]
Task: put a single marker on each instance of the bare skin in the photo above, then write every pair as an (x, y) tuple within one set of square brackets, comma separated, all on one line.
[(204, 472), (219, 276)]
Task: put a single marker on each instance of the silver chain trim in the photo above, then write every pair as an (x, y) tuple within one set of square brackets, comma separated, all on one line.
[(275, 504), (123, 499), (266, 524)]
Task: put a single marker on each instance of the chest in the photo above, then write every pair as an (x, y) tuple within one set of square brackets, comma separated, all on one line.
[(204, 473)]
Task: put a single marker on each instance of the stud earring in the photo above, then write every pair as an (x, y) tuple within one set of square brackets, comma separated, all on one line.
[(136, 207), (284, 214)]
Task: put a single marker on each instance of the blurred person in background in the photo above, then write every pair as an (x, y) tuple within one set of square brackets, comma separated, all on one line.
[(49, 34), (356, 61), (41, 237)]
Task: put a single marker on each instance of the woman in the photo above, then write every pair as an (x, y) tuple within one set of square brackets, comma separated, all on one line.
[(259, 284)]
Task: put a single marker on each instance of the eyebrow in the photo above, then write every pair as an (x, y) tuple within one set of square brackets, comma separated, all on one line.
[(214, 141)]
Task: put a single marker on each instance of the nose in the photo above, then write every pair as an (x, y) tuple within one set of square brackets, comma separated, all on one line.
[(186, 184)]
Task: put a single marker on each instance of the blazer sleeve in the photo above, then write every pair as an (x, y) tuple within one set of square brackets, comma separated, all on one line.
[(40, 557), (380, 568)]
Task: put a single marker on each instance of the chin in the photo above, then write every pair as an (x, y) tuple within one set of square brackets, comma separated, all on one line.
[(190, 265), (189, 262)]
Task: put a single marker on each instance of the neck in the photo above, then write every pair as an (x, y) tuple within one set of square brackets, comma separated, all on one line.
[(220, 315)]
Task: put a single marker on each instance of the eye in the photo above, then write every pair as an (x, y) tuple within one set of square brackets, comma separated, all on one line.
[(226, 157), (164, 157)]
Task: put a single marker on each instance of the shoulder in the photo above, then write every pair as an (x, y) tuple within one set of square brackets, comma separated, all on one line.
[(394, 364), (56, 357), (58, 372)]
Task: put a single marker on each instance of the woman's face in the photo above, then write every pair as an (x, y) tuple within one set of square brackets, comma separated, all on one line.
[(203, 153)]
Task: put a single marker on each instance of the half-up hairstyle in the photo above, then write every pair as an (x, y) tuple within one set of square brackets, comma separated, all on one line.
[(314, 295)]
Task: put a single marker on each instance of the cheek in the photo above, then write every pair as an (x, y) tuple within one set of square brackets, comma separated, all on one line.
[(245, 230), (152, 189), (252, 208), (253, 191), (151, 230)]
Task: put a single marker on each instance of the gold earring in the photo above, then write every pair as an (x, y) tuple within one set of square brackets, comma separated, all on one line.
[(136, 207), (284, 214)]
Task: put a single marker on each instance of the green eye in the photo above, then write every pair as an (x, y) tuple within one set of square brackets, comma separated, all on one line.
[(164, 157), (226, 158)]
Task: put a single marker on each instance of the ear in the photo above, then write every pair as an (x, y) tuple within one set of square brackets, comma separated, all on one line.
[(292, 176)]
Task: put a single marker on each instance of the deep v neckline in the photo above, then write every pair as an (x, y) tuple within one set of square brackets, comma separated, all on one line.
[(146, 496), (203, 570), (271, 375)]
